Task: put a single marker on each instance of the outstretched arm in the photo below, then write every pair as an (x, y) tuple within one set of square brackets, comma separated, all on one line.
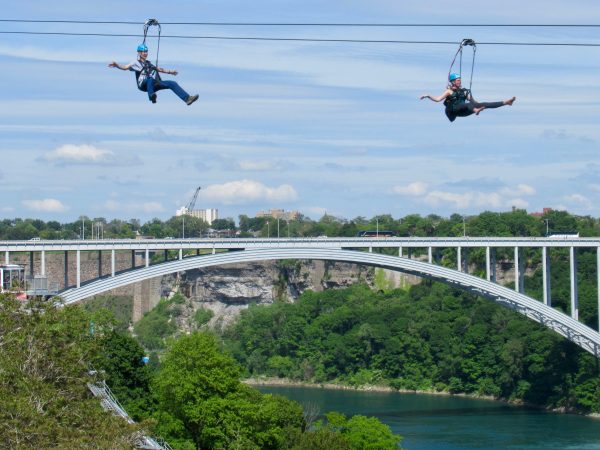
[(119, 66), (167, 71), (438, 98)]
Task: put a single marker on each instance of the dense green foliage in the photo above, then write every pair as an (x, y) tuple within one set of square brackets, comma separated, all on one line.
[(429, 337), (45, 354), (194, 396), (514, 223), (159, 323)]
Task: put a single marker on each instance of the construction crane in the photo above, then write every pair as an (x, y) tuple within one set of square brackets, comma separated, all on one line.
[(190, 206)]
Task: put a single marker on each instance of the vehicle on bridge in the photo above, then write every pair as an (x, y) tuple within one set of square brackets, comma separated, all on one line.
[(12, 280), (563, 235), (375, 233)]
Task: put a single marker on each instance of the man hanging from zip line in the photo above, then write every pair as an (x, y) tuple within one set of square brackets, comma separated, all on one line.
[(148, 78), (460, 103)]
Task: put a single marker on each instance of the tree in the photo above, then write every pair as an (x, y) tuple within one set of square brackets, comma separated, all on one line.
[(202, 400), (44, 368), (364, 433)]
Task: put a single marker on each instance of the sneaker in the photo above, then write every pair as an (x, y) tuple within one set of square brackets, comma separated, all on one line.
[(191, 99), (153, 98)]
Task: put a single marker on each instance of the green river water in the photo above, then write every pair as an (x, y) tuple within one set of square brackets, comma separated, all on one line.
[(435, 422)]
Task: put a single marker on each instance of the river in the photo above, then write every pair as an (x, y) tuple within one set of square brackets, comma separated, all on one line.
[(436, 422)]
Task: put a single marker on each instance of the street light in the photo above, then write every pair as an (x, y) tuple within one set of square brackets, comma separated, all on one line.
[(464, 227), (183, 226), (377, 229), (268, 230), (288, 227), (547, 222), (278, 228)]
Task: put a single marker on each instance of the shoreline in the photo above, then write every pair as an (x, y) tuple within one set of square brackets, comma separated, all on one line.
[(284, 382)]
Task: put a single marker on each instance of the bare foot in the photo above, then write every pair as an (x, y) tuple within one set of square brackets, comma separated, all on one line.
[(478, 110), (510, 101)]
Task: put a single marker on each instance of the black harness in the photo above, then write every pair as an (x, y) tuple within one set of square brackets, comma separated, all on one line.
[(149, 70), (459, 96)]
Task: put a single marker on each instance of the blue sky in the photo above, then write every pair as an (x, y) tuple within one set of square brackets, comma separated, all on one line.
[(316, 127)]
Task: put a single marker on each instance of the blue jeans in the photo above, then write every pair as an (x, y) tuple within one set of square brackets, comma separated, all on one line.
[(153, 86)]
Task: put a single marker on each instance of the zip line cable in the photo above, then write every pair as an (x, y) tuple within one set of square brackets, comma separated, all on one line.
[(367, 41), (308, 24)]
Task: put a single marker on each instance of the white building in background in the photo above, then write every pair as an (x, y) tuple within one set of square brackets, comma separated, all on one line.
[(208, 215)]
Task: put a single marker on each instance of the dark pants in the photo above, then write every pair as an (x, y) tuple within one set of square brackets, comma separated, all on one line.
[(153, 86), (466, 109)]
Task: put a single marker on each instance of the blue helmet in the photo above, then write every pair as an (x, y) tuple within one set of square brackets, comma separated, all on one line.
[(142, 48), (453, 76)]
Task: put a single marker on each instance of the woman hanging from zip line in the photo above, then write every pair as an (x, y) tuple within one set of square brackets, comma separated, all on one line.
[(460, 103), (148, 78)]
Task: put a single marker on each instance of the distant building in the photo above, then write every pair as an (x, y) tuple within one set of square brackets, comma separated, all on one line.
[(208, 215), (279, 214), (543, 213)]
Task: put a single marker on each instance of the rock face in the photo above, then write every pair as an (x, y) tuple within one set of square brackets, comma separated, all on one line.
[(227, 290)]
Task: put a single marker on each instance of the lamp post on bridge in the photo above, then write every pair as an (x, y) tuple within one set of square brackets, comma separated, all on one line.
[(278, 228), (268, 230)]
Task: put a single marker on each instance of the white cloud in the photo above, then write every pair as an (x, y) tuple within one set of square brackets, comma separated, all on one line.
[(50, 205), (461, 201), (416, 189), (521, 189), (247, 191), (579, 200), (79, 154), (504, 197)]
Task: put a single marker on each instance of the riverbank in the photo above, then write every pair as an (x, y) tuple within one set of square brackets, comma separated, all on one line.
[(284, 382)]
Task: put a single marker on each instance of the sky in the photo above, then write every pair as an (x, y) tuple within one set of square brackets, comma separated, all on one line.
[(334, 128)]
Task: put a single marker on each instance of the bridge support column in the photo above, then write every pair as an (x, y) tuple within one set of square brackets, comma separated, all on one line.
[(574, 297), (465, 261), (598, 285), (370, 249), (147, 257), (214, 250), (133, 259), (43, 263), (458, 259), (99, 263), (546, 276), (7, 257), (112, 262), (78, 263), (429, 255), (519, 278), (180, 253), (31, 263), (66, 269), (166, 255), (409, 252), (197, 252), (400, 252), (493, 265), (488, 272)]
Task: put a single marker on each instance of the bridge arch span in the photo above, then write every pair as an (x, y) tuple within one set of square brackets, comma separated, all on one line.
[(568, 327)]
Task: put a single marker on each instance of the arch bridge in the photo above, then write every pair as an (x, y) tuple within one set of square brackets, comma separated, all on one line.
[(233, 251)]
